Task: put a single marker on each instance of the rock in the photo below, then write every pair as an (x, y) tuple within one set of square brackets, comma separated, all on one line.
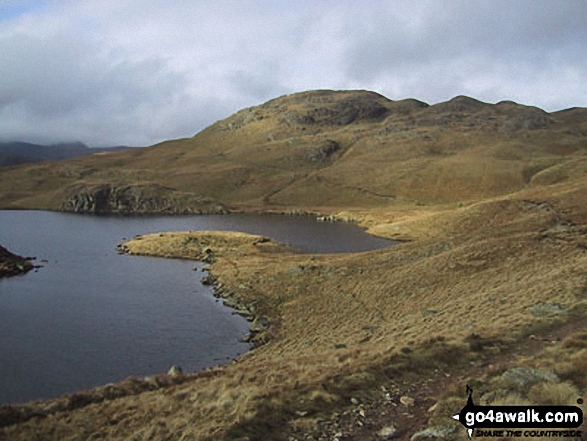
[(387, 432), (148, 198), (487, 398), (12, 264), (259, 324), (447, 431), (175, 370), (543, 309), (521, 379), (322, 153), (354, 401), (406, 401), (337, 109), (208, 280)]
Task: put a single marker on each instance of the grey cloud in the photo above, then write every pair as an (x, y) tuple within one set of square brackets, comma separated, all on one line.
[(110, 72), (524, 37), (59, 87)]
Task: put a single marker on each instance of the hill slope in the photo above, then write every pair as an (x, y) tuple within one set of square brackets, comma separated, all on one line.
[(322, 149)]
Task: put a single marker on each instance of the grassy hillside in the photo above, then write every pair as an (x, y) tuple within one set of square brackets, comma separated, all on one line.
[(488, 289), (323, 150)]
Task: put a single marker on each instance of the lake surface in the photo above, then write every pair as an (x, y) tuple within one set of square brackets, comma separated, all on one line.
[(91, 316)]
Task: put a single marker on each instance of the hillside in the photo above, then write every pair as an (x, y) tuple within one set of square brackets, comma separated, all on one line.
[(322, 150), (489, 287)]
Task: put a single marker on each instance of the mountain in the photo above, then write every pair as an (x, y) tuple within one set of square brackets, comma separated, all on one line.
[(321, 150), (15, 153)]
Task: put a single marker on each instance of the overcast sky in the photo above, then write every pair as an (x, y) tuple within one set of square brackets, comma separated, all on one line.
[(136, 72)]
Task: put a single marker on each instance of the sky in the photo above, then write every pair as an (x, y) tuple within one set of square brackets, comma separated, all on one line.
[(137, 72)]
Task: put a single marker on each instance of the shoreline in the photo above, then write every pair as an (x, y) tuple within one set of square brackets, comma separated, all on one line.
[(206, 248)]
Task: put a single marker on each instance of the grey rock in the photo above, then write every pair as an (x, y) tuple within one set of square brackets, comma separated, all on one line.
[(447, 431), (323, 152), (521, 379), (259, 324), (543, 309), (150, 198), (387, 432), (208, 280), (175, 370)]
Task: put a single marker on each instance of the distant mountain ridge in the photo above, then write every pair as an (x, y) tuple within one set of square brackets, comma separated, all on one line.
[(18, 152)]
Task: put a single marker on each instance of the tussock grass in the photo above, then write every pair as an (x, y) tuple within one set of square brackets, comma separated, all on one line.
[(556, 394)]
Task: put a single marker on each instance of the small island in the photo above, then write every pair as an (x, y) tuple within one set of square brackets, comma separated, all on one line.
[(12, 264)]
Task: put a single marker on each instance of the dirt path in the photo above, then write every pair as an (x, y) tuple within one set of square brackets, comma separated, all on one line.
[(406, 408)]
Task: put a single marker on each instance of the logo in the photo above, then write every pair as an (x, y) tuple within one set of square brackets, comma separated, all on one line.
[(514, 421)]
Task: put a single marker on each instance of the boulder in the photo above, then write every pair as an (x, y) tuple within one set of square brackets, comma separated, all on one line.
[(175, 370), (444, 432), (387, 432), (521, 379), (543, 309)]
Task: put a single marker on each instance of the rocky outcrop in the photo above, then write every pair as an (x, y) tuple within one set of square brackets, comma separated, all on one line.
[(343, 113), (107, 198), (324, 151), (521, 379), (175, 370), (318, 108), (12, 265), (444, 432)]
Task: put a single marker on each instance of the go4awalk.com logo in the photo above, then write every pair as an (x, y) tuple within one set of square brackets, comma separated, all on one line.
[(520, 421)]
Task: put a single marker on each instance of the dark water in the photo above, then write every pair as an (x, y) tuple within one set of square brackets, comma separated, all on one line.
[(91, 316)]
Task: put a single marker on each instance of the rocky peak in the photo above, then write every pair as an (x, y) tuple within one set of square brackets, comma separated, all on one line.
[(461, 103)]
